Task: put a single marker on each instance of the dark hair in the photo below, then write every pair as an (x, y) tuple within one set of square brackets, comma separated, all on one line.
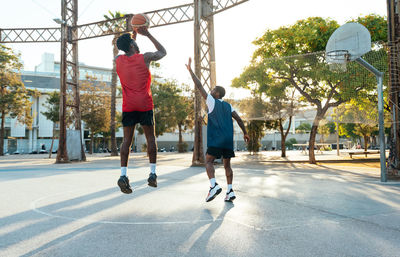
[(124, 42), (220, 90)]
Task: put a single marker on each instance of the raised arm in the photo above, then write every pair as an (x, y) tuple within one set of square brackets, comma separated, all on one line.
[(152, 56), (241, 125), (196, 80)]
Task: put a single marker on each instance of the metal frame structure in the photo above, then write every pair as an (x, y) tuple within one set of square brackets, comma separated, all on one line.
[(200, 11), (393, 8)]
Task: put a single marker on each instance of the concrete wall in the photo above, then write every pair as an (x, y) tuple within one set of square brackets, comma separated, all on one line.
[(23, 145)]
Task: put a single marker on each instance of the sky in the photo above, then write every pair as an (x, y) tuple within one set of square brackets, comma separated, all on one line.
[(235, 29)]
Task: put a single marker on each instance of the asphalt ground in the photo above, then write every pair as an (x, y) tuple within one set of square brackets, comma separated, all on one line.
[(282, 209)]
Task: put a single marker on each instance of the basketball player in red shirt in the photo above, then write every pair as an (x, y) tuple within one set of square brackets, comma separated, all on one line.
[(137, 102)]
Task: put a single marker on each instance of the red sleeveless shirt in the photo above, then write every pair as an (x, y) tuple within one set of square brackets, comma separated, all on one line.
[(135, 79)]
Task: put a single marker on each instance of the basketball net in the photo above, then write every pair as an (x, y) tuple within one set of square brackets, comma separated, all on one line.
[(337, 60)]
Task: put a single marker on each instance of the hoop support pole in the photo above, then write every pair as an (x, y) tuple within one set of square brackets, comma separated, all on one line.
[(382, 148)]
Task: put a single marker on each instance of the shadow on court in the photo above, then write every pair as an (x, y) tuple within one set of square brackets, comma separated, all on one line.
[(280, 210)]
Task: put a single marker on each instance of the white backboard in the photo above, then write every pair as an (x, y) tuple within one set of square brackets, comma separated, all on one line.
[(351, 37)]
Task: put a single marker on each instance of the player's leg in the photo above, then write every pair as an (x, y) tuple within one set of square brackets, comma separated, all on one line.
[(123, 181), (228, 170), (215, 189), (149, 132), (210, 168), (230, 195), (126, 145)]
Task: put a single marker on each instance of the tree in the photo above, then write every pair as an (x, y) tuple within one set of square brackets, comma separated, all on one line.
[(95, 106), (251, 107), (308, 73), (324, 131), (165, 94), (184, 115), (52, 113), (332, 127), (289, 143), (362, 118), (303, 128), (278, 97), (14, 97), (114, 26)]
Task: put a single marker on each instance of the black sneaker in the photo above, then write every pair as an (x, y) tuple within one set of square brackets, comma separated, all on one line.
[(214, 191), (123, 183), (230, 196), (152, 180)]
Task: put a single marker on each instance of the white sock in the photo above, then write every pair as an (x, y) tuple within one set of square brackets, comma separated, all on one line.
[(123, 171), (229, 188), (212, 182), (153, 168)]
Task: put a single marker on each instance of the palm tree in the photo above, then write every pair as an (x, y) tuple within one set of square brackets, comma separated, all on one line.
[(114, 26)]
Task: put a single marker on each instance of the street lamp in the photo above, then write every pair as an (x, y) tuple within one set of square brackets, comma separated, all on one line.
[(59, 21)]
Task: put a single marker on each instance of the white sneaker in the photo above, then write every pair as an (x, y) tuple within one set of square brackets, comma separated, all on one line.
[(214, 191), (230, 196)]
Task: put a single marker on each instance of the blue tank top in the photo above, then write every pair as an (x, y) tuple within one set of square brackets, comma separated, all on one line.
[(220, 126)]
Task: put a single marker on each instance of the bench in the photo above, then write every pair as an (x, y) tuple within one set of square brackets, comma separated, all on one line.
[(366, 153)]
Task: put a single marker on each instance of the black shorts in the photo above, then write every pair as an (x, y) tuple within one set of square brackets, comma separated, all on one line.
[(130, 119), (218, 152)]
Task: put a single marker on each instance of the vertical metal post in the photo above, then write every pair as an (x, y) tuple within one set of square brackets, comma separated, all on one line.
[(198, 156), (69, 77), (381, 128), (337, 138), (75, 78), (62, 154), (204, 60), (382, 148), (211, 45), (394, 82)]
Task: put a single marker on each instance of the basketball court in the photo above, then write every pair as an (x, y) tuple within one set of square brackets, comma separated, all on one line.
[(281, 210)]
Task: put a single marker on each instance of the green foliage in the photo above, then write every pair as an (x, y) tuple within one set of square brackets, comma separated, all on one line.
[(171, 108), (303, 128), (324, 132), (255, 129), (358, 119), (305, 36), (332, 127), (294, 54), (183, 108), (376, 24), (95, 107), (14, 97), (52, 105), (118, 25), (347, 130), (289, 143), (252, 108)]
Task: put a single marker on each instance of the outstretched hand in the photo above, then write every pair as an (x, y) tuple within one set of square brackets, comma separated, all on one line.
[(246, 138), (189, 65)]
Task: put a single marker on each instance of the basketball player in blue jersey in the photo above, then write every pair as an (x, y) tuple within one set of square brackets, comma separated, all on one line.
[(219, 135)]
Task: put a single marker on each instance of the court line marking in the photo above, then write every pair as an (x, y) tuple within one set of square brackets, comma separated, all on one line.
[(33, 206), (36, 209)]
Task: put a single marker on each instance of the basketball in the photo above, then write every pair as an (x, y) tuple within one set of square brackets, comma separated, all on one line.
[(140, 20)]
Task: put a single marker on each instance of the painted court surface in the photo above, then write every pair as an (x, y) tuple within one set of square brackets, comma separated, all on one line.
[(282, 209)]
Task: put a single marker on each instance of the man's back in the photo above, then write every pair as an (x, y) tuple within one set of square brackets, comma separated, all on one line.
[(220, 126), (135, 79)]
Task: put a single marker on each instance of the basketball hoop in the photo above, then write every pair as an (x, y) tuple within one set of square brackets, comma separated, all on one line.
[(347, 43), (337, 60)]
